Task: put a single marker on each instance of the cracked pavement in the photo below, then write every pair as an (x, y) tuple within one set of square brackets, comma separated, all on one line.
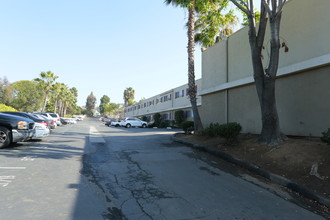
[(142, 174)]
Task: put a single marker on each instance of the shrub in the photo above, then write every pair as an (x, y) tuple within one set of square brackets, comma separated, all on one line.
[(165, 124), (7, 108), (213, 130), (229, 131), (157, 119), (326, 136), (179, 117), (144, 118), (187, 126)]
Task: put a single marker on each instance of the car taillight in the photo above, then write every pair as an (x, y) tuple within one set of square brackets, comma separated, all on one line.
[(124, 120), (44, 123), (52, 122)]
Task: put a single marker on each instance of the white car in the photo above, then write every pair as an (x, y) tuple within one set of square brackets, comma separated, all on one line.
[(56, 117), (133, 122), (115, 123), (41, 131)]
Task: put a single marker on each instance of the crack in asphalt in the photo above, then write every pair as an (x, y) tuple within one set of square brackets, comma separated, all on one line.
[(139, 185)]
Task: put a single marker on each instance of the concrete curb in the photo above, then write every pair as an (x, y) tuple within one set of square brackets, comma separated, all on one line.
[(261, 172)]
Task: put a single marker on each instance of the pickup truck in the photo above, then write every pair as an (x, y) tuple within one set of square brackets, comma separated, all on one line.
[(15, 129)]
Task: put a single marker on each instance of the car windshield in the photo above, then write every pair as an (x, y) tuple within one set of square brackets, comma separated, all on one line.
[(40, 116), (53, 115), (33, 116)]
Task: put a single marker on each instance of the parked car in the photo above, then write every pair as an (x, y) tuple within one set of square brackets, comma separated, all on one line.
[(115, 123), (133, 122), (15, 129), (108, 123), (41, 126), (50, 122), (56, 117), (69, 120), (64, 121), (41, 131), (28, 115)]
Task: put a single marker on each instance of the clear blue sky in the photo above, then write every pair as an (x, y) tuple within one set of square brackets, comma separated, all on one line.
[(97, 46)]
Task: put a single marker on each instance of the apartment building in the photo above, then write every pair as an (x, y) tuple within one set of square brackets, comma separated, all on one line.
[(166, 104)]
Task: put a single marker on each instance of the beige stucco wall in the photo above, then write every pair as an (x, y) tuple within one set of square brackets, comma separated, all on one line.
[(304, 73), (216, 67), (213, 108), (303, 102)]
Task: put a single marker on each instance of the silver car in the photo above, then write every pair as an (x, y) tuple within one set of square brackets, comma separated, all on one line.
[(41, 131)]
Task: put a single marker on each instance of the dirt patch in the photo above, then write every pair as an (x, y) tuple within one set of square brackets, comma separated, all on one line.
[(303, 160)]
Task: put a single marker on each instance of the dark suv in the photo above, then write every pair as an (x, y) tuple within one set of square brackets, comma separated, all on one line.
[(14, 129)]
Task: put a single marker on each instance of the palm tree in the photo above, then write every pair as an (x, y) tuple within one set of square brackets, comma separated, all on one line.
[(129, 95), (46, 80), (56, 90), (212, 25), (191, 5)]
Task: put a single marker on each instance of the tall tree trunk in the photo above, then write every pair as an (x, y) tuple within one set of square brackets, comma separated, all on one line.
[(191, 69), (55, 105), (265, 82), (270, 133), (45, 101)]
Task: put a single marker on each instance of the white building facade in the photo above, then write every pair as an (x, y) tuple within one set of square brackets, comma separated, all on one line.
[(166, 104)]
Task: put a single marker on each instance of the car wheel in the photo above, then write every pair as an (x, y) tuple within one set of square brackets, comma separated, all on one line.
[(128, 125), (117, 125), (144, 126), (4, 137)]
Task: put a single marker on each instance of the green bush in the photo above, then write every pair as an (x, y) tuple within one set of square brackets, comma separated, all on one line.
[(144, 118), (179, 117), (326, 136), (157, 120), (165, 124), (213, 130), (187, 126), (229, 131)]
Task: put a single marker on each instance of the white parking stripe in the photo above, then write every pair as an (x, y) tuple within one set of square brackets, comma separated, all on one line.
[(5, 180), (13, 168)]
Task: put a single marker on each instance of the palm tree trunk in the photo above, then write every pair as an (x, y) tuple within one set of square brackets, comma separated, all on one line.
[(45, 101), (191, 69)]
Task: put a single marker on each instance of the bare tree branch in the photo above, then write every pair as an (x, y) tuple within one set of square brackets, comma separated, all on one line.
[(280, 7), (251, 6), (269, 11), (241, 7)]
